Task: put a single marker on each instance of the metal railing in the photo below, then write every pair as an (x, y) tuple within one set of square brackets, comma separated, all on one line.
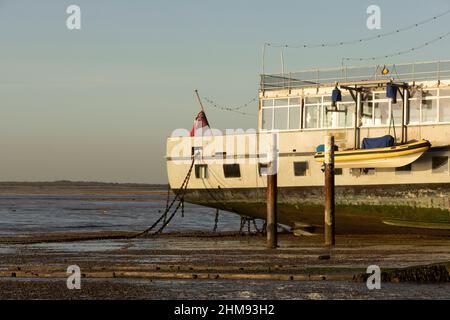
[(408, 72)]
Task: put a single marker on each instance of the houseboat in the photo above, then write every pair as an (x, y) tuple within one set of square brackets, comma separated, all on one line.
[(399, 186)]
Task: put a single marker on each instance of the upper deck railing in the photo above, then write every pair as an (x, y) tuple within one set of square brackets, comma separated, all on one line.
[(408, 72)]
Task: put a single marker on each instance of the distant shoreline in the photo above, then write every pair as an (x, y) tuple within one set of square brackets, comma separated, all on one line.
[(80, 188), (68, 183)]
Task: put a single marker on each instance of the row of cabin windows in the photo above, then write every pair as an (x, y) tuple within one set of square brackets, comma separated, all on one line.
[(439, 164), (229, 171), (425, 106), (234, 171)]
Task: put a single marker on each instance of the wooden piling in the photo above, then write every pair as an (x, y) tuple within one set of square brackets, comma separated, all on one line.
[(330, 227), (272, 197)]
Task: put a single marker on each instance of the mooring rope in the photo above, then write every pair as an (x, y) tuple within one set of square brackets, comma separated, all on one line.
[(178, 195), (216, 221)]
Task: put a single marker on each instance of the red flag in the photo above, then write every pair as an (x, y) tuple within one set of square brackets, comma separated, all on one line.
[(199, 122)]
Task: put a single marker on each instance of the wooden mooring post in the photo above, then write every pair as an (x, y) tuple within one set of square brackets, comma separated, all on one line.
[(272, 197), (330, 227)]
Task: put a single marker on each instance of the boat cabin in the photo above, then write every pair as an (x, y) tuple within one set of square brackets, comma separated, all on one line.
[(302, 102)]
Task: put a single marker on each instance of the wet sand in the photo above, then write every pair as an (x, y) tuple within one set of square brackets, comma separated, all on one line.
[(48, 227), (225, 266)]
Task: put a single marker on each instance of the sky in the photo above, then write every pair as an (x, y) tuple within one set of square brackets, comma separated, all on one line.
[(97, 104)]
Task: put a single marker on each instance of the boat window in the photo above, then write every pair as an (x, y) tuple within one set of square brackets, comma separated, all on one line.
[(313, 100), (404, 169), (346, 118), (330, 119), (429, 106), (429, 110), (294, 117), (444, 104), (312, 112), (439, 164), (280, 118), (286, 113), (367, 113), (377, 110), (281, 102), (444, 92), (281, 114), (414, 110), (262, 169), (267, 119), (231, 170), (381, 110), (300, 168), (326, 99), (267, 103), (397, 110), (201, 171), (444, 109), (430, 94), (311, 116), (294, 101)]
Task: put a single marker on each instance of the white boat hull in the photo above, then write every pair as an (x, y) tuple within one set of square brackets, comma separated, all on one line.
[(388, 162)]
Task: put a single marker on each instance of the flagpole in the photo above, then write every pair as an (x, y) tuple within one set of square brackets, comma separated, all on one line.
[(199, 100), (201, 105)]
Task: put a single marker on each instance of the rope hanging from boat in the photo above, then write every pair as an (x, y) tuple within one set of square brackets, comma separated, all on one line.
[(178, 196), (392, 123), (167, 200), (216, 221)]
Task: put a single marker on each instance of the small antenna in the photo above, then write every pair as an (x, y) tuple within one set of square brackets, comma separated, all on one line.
[(263, 57)]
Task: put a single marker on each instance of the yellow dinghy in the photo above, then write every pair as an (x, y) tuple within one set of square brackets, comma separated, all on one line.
[(388, 157)]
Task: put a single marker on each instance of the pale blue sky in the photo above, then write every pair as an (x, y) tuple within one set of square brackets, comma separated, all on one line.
[(97, 104)]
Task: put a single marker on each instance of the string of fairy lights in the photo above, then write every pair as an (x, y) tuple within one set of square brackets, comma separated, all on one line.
[(360, 40), (399, 53), (375, 37), (232, 109), (344, 43)]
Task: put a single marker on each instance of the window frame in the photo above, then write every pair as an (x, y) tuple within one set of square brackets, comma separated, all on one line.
[(227, 174), (288, 106), (201, 174), (306, 169)]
